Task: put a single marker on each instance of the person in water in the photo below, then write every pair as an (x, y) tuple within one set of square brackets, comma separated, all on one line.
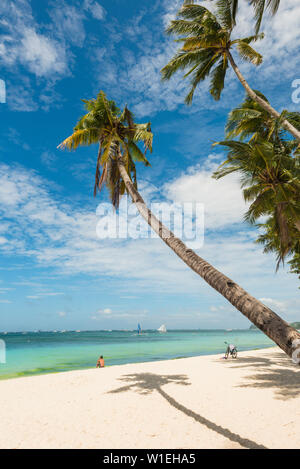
[(100, 362)]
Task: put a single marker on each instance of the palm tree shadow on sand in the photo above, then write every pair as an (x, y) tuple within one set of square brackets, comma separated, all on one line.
[(146, 383), (284, 378)]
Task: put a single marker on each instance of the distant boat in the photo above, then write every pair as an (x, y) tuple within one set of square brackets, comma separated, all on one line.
[(139, 329), (162, 328)]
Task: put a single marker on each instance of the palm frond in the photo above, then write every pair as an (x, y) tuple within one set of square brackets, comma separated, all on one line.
[(183, 60), (259, 8), (248, 53), (80, 137), (218, 78), (224, 13), (137, 154), (234, 9), (200, 73)]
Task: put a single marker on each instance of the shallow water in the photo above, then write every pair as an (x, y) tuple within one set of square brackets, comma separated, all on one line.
[(48, 352)]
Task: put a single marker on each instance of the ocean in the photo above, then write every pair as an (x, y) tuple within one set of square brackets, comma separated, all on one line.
[(31, 353)]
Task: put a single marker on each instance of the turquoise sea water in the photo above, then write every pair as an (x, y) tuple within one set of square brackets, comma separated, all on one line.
[(48, 352)]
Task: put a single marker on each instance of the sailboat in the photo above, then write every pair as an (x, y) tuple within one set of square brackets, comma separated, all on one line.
[(162, 328), (139, 329)]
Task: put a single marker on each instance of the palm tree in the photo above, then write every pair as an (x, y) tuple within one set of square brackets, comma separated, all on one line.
[(249, 121), (116, 134), (206, 52), (271, 181), (271, 241), (114, 131)]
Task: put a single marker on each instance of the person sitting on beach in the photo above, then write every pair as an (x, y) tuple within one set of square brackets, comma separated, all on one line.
[(100, 362)]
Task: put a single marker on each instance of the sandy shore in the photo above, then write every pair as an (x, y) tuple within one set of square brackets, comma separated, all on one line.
[(199, 402)]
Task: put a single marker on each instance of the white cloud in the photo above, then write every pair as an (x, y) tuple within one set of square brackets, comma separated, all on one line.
[(4, 290), (289, 308), (49, 160), (281, 306), (24, 44), (63, 238), (42, 55), (222, 199), (38, 296), (62, 314), (21, 96), (96, 10), (105, 311), (43, 50), (68, 21), (108, 314), (279, 47), (101, 313)]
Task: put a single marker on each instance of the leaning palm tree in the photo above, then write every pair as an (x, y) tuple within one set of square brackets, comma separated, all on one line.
[(117, 136), (206, 52), (270, 178)]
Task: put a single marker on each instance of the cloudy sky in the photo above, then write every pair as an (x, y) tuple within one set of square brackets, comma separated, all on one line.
[(55, 273)]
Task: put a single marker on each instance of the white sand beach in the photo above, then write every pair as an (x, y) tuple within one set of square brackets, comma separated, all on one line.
[(199, 402)]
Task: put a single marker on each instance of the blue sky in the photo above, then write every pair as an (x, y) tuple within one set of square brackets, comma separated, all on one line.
[(54, 272)]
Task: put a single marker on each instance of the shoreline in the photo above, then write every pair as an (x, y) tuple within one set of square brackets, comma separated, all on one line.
[(27, 374), (251, 402)]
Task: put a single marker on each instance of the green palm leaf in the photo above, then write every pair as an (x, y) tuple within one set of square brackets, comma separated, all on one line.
[(248, 54), (117, 135)]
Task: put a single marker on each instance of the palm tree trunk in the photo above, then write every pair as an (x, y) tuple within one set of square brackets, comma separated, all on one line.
[(263, 317), (266, 106)]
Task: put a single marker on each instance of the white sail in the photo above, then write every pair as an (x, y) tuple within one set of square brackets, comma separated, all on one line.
[(162, 328)]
